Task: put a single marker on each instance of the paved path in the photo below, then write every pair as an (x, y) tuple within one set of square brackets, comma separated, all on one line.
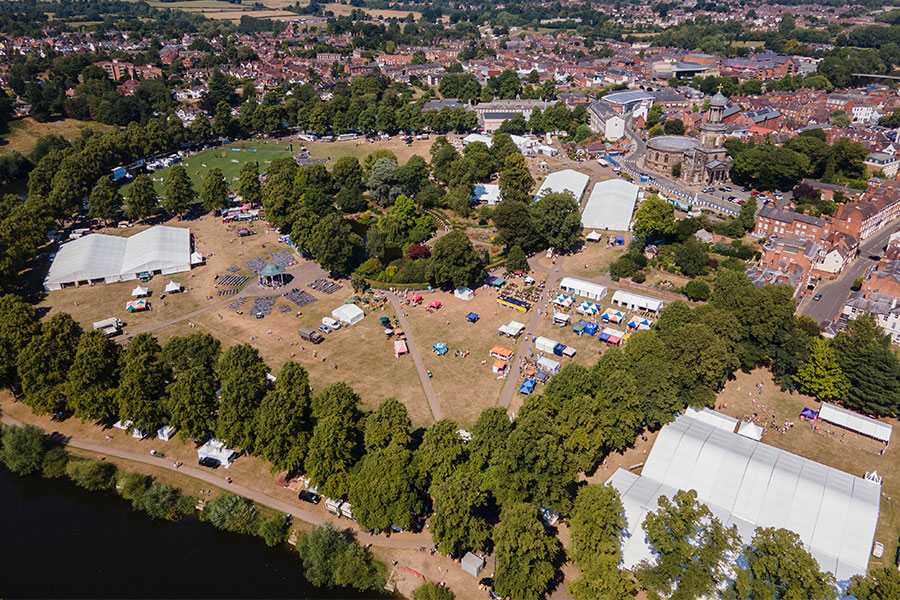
[(395, 541), (417, 358)]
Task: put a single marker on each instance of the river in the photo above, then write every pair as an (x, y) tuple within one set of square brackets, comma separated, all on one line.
[(60, 541)]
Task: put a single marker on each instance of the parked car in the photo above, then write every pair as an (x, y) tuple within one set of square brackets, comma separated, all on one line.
[(724, 188), (208, 461), (310, 497), (708, 189), (329, 322), (324, 329)]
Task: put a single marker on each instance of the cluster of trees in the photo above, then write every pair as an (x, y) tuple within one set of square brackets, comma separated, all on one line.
[(766, 166), (556, 118)]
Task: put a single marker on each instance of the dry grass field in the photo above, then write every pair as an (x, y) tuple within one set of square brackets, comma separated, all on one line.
[(332, 151), (24, 133), (596, 255)]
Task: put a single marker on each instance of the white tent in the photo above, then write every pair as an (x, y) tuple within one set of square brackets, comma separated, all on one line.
[(750, 430), (748, 484), (545, 344), (472, 565), (566, 180), (486, 193), (548, 365), (594, 236), (348, 313), (139, 292), (579, 287), (855, 422), (112, 258), (636, 301), (560, 317), (464, 293), (173, 287), (610, 205), (216, 450), (512, 329), (716, 419), (165, 433), (197, 259)]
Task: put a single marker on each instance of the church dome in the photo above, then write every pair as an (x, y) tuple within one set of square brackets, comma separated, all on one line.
[(718, 100)]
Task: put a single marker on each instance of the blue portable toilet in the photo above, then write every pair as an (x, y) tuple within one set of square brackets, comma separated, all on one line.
[(119, 173), (559, 349), (472, 317)]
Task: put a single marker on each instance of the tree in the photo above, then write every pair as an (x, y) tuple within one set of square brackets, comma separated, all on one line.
[(231, 512), (18, 324), (249, 187), (334, 245), (347, 172), (526, 555), (159, 500), (432, 591), (821, 375), (192, 403), (840, 119), (283, 420), (697, 290), (214, 194), (674, 127), (516, 260), (516, 182), (384, 489), (105, 202), (330, 558), (502, 148), (454, 261), (92, 475), (44, 363), (142, 384), (142, 198), (93, 378), (691, 256), (389, 424), (515, 226), (243, 376), (193, 350), (336, 443), (655, 218), (382, 181), (777, 566), (597, 523), (441, 452), (458, 524), (693, 549), (180, 192), (872, 369), (22, 449), (558, 220), (882, 583)]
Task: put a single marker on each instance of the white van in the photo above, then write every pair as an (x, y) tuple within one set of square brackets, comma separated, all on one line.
[(328, 321)]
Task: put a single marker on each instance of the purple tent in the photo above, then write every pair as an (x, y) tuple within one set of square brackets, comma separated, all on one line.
[(809, 413)]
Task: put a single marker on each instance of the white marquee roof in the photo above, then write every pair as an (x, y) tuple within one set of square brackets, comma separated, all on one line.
[(716, 419), (610, 205), (627, 298), (567, 180), (749, 484), (113, 258), (580, 287), (855, 422)]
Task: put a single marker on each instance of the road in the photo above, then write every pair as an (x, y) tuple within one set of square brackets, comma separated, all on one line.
[(395, 541), (436, 411), (835, 293)]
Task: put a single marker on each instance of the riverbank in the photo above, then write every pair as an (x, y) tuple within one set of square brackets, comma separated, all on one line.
[(404, 554)]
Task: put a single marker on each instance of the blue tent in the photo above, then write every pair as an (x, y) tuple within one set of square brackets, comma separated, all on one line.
[(559, 349), (527, 387), (591, 328), (603, 337), (472, 317), (440, 348)]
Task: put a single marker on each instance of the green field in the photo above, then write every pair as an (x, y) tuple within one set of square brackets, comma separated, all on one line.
[(236, 154)]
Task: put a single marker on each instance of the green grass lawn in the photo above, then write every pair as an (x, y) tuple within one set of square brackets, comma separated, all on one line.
[(235, 155)]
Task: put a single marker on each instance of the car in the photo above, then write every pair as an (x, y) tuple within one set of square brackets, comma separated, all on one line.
[(817, 297), (310, 497), (874, 257), (324, 329), (708, 189), (724, 188), (734, 199), (754, 193), (878, 550), (209, 461), (745, 189)]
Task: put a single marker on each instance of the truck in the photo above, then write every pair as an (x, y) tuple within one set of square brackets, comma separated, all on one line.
[(310, 336), (110, 326)]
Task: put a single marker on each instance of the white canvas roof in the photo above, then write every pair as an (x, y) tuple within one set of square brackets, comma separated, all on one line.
[(348, 313), (610, 205), (113, 258), (636, 301), (716, 419), (173, 287), (749, 484), (579, 287), (486, 192), (750, 430), (567, 180), (594, 236), (855, 422), (139, 291)]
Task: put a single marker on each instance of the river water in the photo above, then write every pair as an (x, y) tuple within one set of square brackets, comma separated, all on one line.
[(60, 541)]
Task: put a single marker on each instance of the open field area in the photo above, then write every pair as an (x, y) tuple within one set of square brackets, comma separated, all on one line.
[(24, 133), (346, 9), (332, 151), (226, 11), (594, 258)]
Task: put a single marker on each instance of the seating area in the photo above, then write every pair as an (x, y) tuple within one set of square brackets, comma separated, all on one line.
[(256, 264), (283, 258), (263, 305), (300, 297), (325, 286)]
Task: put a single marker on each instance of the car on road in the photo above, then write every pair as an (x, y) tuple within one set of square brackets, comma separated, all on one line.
[(874, 257), (817, 297), (324, 329), (708, 189), (724, 188), (310, 497), (745, 189)]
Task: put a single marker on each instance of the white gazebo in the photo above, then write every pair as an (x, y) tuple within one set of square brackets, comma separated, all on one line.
[(173, 287), (139, 292)]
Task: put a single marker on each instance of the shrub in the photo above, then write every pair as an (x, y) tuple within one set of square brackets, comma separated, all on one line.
[(159, 501), (23, 448), (133, 485), (432, 591), (697, 290), (92, 475), (274, 531), (55, 462), (639, 277), (331, 559), (231, 513)]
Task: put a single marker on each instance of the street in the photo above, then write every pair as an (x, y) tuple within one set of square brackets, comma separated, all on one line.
[(834, 293)]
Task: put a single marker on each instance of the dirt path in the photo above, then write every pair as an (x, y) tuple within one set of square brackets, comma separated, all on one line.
[(395, 541), (417, 358)]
